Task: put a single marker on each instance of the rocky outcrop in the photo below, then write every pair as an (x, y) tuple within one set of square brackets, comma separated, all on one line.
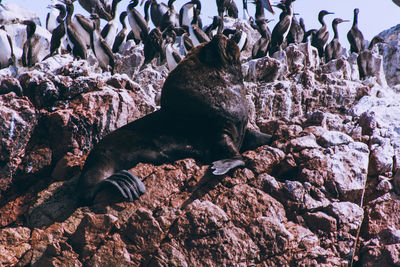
[(325, 192)]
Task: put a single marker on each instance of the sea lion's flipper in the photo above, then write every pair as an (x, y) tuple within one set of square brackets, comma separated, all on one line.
[(128, 185), (223, 166), (253, 139)]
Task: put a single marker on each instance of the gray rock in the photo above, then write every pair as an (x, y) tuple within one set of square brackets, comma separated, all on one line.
[(349, 215)]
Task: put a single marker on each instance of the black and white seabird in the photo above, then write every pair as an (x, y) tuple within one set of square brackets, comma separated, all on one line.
[(31, 46), (260, 48), (186, 43), (58, 35), (138, 24), (355, 37), (228, 6), (320, 38), (173, 57), (282, 28), (367, 65), (100, 47), (84, 27), (334, 49), (74, 37), (195, 32), (246, 15), (101, 7), (157, 11), (123, 33), (170, 18), (296, 32), (7, 56), (111, 29), (237, 35), (51, 18), (187, 11), (153, 47), (211, 29)]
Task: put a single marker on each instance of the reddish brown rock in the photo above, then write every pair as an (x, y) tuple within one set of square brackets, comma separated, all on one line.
[(204, 235)]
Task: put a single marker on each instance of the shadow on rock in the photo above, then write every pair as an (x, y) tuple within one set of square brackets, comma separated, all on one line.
[(54, 204)]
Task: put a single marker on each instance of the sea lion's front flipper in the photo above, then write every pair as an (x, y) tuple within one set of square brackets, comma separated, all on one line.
[(223, 166), (253, 139), (130, 186)]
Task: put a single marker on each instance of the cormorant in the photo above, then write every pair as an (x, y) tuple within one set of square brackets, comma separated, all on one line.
[(7, 56), (101, 7), (296, 32), (137, 22), (367, 65), (320, 38), (100, 47), (74, 37), (123, 33), (31, 46), (111, 29), (282, 28), (157, 11), (334, 49), (355, 37), (51, 18)]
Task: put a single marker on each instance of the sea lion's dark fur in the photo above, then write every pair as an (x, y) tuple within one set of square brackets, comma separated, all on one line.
[(203, 115)]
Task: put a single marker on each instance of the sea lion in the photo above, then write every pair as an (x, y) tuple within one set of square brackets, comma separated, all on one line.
[(203, 115)]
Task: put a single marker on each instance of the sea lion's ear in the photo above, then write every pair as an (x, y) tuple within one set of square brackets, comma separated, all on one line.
[(232, 52)]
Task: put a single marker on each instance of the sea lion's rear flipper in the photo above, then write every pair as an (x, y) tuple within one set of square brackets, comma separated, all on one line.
[(130, 186), (223, 166), (253, 139)]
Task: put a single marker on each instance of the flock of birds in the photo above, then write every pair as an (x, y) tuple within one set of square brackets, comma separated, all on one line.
[(176, 33)]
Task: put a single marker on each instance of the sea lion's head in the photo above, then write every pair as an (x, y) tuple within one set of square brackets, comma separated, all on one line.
[(220, 51)]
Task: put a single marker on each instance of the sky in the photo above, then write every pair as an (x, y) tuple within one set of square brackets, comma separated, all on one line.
[(373, 18)]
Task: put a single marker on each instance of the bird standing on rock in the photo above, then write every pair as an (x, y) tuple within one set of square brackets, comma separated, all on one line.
[(138, 24), (31, 46), (355, 37), (6, 47), (100, 47), (281, 29), (110, 30), (123, 33), (334, 49), (367, 63), (320, 38)]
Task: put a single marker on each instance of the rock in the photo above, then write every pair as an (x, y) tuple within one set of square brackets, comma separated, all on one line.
[(381, 159), (382, 213), (396, 181), (14, 243), (349, 215), (91, 232), (17, 121), (264, 69), (304, 142), (354, 157), (264, 160), (334, 138), (8, 84), (338, 69), (11, 13), (205, 235), (258, 204), (384, 185), (320, 221)]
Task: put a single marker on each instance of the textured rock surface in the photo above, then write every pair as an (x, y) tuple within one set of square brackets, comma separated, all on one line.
[(331, 172)]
